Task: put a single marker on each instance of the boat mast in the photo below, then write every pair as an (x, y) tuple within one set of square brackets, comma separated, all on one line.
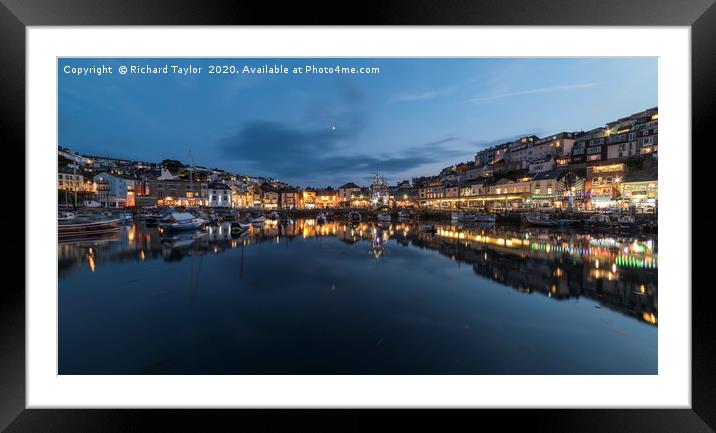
[(191, 175), (73, 180)]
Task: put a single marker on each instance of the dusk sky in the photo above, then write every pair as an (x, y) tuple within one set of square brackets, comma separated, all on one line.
[(412, 119)]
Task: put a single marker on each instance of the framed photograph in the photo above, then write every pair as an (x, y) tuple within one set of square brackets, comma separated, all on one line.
[(414, 208)]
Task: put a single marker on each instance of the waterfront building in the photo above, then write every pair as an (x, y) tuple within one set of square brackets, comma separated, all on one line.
[(551, 146), (290, 198), (308, 199), (359, 199), (521, 149), (542, 165), (326, 198), (176, 192), (69, 180), (636, 134), (240, 197), (218, 195), (639, 189), (547, 189), (588, 146), (115, 190), (269, 198), (346, 191), (476, 172), (602, 185)]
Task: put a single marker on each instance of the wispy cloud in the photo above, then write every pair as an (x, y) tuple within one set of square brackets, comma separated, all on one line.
[(420, 96), (548, 89)]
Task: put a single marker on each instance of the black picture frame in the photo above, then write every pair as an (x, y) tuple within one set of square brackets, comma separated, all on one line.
[(16, 15)]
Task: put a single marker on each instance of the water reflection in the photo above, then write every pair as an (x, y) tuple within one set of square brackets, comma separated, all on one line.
[(620, 273)]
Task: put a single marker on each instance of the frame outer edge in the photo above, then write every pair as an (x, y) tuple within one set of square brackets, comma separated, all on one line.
[(12, 305), (703, 91)]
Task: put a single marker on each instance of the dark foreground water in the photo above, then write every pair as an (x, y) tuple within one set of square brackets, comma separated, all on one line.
[(368, 299)]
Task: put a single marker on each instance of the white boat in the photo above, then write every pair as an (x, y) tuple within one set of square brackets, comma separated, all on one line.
[(384, 216), (260, 219), (460, 217), (320, 218), (126, 216), (237, 227), (180, 221), (540, 220), (66, 216), (598, 221), (628, 223), (404, 215)]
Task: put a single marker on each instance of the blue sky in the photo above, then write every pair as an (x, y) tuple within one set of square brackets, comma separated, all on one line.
[(413, 118)]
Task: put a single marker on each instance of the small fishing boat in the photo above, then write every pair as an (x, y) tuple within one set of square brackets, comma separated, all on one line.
[(539, 220), (155, 218), (126, 217), (598, 221), (181, 221), (485, 218), (405, 215), (258, 219), (85, 226), (462, 217), (627, 223), (567, 222), (384, 216), (238, 228), (66, 216)]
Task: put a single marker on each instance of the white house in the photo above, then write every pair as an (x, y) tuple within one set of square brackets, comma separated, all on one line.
[(219, 195)]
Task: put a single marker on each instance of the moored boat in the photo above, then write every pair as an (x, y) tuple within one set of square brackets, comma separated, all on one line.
[(383, 216), (568, 222), (238, 228), (627, 223), (598, 221), (79, 227), (321, 218), (539, 220), (181, 221), (485, 218), (405, 215), (354, 216)]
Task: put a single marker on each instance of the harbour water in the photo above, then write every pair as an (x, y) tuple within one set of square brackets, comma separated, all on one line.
[(368, 298)]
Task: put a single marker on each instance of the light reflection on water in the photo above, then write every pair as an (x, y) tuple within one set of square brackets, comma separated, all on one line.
[(288, 283)]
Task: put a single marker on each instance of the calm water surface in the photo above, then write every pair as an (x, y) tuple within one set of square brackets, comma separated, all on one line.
[(365, 299)]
